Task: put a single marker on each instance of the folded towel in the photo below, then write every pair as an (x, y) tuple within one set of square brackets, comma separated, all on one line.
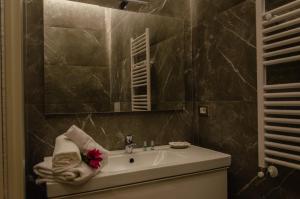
[(66, 155), (86, 143), (74, 176), (45, 172), (83, 172)]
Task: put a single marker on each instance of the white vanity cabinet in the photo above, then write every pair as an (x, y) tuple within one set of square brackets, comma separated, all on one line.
[(193, 173)]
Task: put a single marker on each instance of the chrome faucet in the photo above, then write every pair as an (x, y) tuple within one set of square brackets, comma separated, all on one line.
[(129, 145)]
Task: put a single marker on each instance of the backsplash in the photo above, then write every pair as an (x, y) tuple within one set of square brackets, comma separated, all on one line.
[(224, 58)]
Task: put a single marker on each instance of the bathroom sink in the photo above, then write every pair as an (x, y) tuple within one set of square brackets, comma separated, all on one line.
[(141, 159), (145, 166)]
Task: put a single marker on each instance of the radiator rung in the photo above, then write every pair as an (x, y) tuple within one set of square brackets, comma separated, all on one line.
[(282, 146), (141, 77), (281, 34), (282, 137), (139, 68), (284, 8), (138, 71), (281, 43), (282, 120), (136, 46), (139, 38), (282, 26), (139, 96), (282, 52), (283, 163), (282, 103), (139, 52), (283, 129), (141, 63), (282, 95), (281, 112), (282, 155), (139, 107), (282, 60), (140, 103), (140, 100), (137, 82), (281, 86), (282, 17), (139, 85)]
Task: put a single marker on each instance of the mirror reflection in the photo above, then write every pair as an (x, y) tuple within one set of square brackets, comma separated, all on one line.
[(99, 59)]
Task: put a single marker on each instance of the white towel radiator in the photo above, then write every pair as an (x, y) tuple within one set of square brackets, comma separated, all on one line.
[(278, 43), (140, 73)]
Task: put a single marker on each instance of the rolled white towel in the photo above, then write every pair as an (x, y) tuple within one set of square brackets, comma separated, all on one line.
[(86, 143), (44, 169), (74, 176), (66, 155), (83, 174), (45, 173)]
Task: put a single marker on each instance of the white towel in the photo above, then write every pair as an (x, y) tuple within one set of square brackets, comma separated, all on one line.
[(83, 172), (45, 173), (74, 176), (66, 155), (86, 143)]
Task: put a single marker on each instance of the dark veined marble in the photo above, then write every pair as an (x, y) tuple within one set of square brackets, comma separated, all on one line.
[(224, 57), (108, 129), (220, 72), (87, 58), (167, 56)]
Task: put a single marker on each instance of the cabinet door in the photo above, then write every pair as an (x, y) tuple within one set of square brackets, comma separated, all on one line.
[(211, 185)]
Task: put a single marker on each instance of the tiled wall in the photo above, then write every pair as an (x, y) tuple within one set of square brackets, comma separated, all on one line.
[(107, 129), (167, 52), (224, 57), (76, 58)]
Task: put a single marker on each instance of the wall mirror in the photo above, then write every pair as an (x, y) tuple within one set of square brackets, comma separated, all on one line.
[(100, 59)]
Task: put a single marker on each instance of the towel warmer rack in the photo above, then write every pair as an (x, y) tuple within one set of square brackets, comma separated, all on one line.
[(278, 43), (140, 73)]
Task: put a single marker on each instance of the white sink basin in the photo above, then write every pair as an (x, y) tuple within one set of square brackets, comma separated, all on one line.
[(163, 162), (138, 160)]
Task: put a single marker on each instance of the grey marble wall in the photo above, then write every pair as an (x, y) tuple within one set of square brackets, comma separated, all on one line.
[(76, 57), (107, 129), (224, 57), (221, 73), (168, 54)]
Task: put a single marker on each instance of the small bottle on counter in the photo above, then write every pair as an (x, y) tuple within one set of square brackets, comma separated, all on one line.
[(145, 145), (152, 144)]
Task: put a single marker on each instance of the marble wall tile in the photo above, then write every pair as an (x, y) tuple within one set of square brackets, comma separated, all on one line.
[(80, 96), (224, 55), (167, 70), (78, 47), (227, 75), (68, 14), (168, 55)]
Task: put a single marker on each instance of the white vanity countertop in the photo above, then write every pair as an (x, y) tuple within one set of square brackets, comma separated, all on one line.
[(160, 163)]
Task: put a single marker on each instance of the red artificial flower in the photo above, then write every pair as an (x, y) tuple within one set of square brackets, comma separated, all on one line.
[(95, 164), (94, 154), (94, 158)]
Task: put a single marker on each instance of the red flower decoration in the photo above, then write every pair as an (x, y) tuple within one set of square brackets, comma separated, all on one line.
[(94, 158)]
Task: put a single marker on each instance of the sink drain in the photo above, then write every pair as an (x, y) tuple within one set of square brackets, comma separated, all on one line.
[(131, 160)]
